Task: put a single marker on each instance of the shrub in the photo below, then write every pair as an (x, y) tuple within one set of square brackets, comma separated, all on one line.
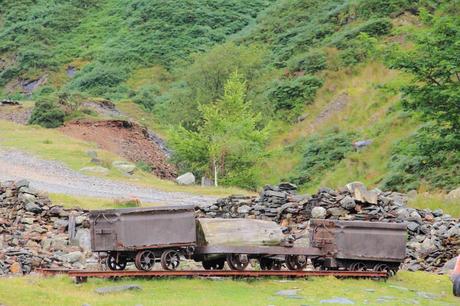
[(383, 8), (321, 153), (147, 96), (372, 27), (47, 114), (430, 156), (98, 78), (287, 94), (358, 50), (310, 62)]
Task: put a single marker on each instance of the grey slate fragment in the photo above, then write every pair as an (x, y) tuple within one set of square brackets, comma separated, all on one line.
[(113, 289)]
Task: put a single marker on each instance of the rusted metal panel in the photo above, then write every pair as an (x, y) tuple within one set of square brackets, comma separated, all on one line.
[(140, 228), (360, 240)]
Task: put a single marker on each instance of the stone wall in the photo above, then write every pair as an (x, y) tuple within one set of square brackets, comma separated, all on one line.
[(433, 237), (36, 234)]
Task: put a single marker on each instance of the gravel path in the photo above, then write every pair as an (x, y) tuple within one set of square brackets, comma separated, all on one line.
[(54, 177)]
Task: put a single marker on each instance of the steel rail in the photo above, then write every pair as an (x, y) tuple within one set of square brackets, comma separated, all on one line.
[(82, 275)]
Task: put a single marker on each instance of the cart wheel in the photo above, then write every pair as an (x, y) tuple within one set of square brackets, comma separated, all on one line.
[(216, 264), (358, 266), (382, 268), (277, 265), (266, 263), (145, 260), (170, 260), (115, 262), (237, 261), (296, 262)]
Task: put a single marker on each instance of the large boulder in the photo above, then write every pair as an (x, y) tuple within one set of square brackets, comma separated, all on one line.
[(454, 194), (360, 193), (186, 179)]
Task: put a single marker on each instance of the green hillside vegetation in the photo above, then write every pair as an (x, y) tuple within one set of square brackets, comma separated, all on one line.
[(317, 76)]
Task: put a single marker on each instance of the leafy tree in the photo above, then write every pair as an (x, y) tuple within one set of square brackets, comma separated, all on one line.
[(229, 141), (203, 81), (432, 154), (435, 65)]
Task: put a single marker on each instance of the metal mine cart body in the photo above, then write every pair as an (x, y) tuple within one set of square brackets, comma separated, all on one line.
[(143, 235), (359, 245), (167, 233)]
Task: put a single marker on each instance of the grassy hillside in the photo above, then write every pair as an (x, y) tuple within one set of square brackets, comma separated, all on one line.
[(406, 288), (318, 76), (53, 145)]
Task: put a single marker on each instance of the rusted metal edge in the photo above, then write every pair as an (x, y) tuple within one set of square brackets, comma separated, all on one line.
[(258, 250)]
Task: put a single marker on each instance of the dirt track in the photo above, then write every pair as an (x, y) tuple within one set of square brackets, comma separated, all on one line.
[(54, 177)]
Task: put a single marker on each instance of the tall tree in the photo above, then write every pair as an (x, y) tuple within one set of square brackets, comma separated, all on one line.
[(434, 63), (229, 141)]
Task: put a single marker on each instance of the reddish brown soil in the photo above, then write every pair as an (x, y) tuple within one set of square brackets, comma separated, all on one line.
[(124, 138)]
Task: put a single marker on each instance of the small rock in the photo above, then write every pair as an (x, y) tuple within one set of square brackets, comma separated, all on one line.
[(15, 268), (28, 220), (348, 203), (27, 198), (125, 167), (73, 257), (95, 169), (427, 295), (32, 207), (318, 212), (338, 300), (412, 226), (22, 183), (412, 194), (337, 211), (91, 154), (186, 179), (454, 194), (244, 209), (287, 292), (112, 289)]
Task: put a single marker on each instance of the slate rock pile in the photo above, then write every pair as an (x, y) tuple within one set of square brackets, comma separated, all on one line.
[(273, 203), (36, 234), (434, 237)]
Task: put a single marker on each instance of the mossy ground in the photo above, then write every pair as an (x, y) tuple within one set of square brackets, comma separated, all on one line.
[(407, 288)]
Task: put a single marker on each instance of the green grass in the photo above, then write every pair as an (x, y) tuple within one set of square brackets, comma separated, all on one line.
[(53, 145), (69, 201), (435, 201), (400, 290)]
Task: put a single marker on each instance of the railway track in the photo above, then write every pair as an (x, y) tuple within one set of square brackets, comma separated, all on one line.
[(83, 275)]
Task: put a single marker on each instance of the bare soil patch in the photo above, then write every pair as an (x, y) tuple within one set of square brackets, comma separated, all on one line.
[(125, 138)]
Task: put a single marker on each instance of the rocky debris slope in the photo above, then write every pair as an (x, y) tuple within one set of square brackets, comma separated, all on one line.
[(36, 234), (434, 237), (127, 139)]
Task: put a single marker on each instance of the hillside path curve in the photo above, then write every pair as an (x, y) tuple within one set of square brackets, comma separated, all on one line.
[(55, 177)]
